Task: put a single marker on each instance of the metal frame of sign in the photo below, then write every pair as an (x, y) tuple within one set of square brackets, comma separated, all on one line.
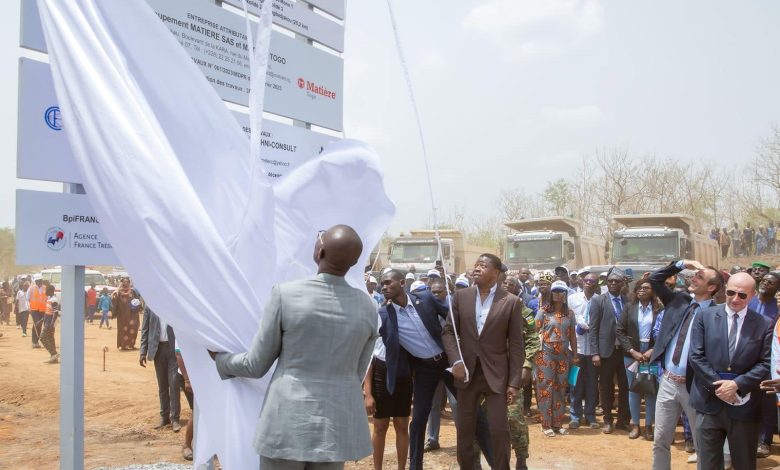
[(296, 17), (332, 7)]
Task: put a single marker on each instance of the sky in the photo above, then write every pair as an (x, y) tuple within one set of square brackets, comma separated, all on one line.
[(515, 93)]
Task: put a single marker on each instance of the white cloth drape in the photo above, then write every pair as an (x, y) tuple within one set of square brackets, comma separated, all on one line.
[(189, 213)]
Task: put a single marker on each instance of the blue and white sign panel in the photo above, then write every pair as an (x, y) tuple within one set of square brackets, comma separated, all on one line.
[(59, 229), (44, 151), (302, 82)]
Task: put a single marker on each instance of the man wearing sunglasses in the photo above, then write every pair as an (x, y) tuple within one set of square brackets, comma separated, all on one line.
[(730, 356), (671, 347)]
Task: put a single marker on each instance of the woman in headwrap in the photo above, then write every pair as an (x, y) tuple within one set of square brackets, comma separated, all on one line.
[(126, 304), (556, 325)]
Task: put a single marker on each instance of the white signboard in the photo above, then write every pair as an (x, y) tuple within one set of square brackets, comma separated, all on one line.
[(302, 82), (44, 151), (333, 7), (296, 17), (284, 148), (59, 229)]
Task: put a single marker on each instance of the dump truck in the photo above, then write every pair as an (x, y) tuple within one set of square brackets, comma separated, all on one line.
[(548, 242), (657, 239), (419, 251)]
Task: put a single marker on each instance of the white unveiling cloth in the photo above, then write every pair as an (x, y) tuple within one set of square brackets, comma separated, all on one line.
[(189, 212)]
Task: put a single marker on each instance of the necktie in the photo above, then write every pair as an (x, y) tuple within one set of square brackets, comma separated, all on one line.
[(678, 346), (618, 307), (733, 336)]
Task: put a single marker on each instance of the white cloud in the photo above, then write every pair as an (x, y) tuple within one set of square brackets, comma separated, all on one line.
[(530, 28), (429, 61), (587, 115)]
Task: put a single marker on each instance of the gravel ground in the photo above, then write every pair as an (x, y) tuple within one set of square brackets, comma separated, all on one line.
[(154, 466)]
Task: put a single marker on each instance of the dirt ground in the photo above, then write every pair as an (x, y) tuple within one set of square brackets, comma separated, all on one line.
[(121, 409)]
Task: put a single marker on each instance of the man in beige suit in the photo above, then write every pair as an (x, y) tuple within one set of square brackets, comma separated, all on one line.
[(322, 332), (489, 322)]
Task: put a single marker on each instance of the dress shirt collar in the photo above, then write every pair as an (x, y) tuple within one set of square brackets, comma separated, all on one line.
[(492, 290), (398, 308), (741, 314)]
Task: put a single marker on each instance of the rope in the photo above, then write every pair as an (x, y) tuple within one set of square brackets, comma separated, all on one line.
[(408, 79)]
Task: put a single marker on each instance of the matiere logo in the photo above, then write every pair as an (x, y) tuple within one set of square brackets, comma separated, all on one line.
[(55, 238), (53, 118), (316, 89)]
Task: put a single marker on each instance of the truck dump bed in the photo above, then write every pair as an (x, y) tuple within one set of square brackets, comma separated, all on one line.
[(556, 224)]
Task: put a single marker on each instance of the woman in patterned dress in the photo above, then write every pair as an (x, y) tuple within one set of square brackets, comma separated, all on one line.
[(555, 323), (126, 304)]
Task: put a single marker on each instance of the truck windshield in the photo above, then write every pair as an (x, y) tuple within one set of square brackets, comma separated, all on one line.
[(413, 252), (645, 248), (534, 251)]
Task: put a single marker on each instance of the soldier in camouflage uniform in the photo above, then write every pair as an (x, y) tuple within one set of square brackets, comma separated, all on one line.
[(518, 428)]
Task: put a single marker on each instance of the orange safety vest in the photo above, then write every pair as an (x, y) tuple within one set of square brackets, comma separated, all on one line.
[(38, 299)]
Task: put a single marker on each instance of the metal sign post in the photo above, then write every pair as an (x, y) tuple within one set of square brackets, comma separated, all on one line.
[(72, 362)]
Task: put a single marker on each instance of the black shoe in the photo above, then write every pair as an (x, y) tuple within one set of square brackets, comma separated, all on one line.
[(162, 424), (608, 428), (521, 464), (649, 433), (689, 448), (431, 445)]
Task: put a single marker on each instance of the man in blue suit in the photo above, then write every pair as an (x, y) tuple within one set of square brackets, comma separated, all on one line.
[(730, 346), (411, 333)]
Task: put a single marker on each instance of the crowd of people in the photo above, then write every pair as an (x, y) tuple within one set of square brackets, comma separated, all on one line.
[(685, 344), (748, 241), (663, 341)]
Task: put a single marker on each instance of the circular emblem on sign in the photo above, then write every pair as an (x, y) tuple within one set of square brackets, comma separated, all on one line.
[(53, 118), (301, 83), (55, 238)]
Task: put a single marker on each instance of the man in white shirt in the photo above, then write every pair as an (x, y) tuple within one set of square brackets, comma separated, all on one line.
[(23, 306), (587, 382)]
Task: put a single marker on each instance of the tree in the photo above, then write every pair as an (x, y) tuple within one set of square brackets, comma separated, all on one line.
[(766, 166), (558, 197)]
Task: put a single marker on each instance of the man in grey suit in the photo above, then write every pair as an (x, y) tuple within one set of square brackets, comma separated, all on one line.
[(605, 311), (322, 332), (157, 344)]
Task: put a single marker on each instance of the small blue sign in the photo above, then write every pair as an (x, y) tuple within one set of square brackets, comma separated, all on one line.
[(53, 118)]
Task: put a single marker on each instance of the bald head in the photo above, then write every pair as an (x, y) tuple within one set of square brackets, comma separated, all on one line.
[(740, 290), (337, 250)]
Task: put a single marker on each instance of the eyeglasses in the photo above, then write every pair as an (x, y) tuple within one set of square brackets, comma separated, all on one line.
[(319, 237), (644, 288), (732, 293), (588, 281)]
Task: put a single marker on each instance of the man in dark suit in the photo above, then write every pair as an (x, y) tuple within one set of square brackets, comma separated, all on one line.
[(158, 345), (412, 335), (730, 356), (489, 323), (671, 347), (605, 311)]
